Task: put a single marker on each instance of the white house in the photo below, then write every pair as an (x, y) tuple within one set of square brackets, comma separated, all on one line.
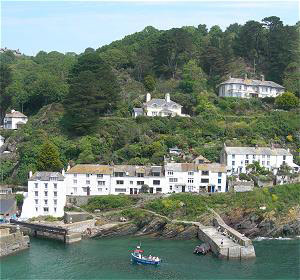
[(14, 120), (93, 179), (191, 177), (237, 158), (159, 107), (46, 195), (247, 88), (1, 140)]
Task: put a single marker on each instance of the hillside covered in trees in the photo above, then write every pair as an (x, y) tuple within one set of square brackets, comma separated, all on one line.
[(79, 106)]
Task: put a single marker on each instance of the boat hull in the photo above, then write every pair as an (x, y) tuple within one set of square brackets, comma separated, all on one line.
[(143, 261)]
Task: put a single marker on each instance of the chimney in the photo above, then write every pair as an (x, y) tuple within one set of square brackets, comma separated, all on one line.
[(148, 97), (262, 77), (245, 77), (63, 172), (68, 167), (12, 111), (256, 146), (167, 97), (30, 174), (272, 146)]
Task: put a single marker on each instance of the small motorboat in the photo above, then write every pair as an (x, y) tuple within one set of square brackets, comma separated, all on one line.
[(137, 257)]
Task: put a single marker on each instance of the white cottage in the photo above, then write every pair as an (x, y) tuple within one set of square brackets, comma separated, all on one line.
[(46, 195), (159, 107), (247, 88), (237, 158), (14, 120), (1, 140)]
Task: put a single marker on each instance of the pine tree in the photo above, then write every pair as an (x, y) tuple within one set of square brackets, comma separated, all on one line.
[(93, 92), (48, 158)]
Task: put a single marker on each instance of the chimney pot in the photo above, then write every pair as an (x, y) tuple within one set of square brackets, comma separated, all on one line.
[(148, 97), (262, 77), (30, 174), (167, 97)]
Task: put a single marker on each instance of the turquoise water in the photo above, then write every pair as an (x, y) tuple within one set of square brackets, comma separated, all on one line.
[(109, 259)]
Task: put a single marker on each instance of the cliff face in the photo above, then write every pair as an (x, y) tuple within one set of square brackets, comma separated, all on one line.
[(267, 224)]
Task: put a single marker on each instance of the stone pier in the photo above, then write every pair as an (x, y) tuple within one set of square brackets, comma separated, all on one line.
[(12, 241)]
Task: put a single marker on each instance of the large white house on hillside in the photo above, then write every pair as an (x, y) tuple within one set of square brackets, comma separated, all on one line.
[(159, 107), (46, 195), (247, 88), (14, 120), (237, 158)]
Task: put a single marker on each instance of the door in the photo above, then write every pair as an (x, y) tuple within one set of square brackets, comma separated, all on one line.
[(183, 188), (209, 188), (213, 189), (135, 191), (88, 191), (131, 190), (151, 190)]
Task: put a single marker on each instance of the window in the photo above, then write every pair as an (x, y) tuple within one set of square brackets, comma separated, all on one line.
[(204, 180), (263, 156), (173, 180), (284, 157), (246, 161), (75, 190), (120, 182), (46, 201), (191, 173), (140, 174), (233, 163), (55, 201), (87, 175), (75, 175), (75, 181), (36, 209), (268, 163), (158, 189), (154, 113), (36, 193), (101, 183), (36, 201), (247, 156), (205, 172), (254, 156), (190, 188), (268, 156), (140, 183), (87, 182), (170, 172), (156, 182), (54, 209), (263, 162), (55, 193), (119, 174), (120, 190), (170, 188), (99, 189), (233, 156), (36, 185), (55, 185), (53, 178), (99, 175), (156, 174), (46, 185), (46, 193), (219, 181), (191, 180), (219, 174), (131, 182), (46, 209), (219, 188)]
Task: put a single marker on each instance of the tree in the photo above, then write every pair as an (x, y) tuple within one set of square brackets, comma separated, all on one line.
[(149, 83), (93, 92), (144, 189), (287, 101), (5, 97), (48, 158), (291, 78)]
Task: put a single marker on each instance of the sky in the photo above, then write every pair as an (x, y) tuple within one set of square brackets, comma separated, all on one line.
[(72, 26)]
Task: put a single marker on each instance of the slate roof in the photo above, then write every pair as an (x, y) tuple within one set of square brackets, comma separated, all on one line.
[(161, 103), (200, 157), (45, 176), (257, 151), (185, 167), (251, 82), (7, 205), (90, 169), (15, 114)]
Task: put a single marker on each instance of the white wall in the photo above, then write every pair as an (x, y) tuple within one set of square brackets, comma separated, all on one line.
[(11, 123)]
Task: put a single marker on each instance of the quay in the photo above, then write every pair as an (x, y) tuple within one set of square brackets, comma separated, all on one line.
[(12, 240)]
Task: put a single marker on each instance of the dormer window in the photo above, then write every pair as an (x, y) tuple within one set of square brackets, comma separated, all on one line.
[(174, 107), (154, 105)]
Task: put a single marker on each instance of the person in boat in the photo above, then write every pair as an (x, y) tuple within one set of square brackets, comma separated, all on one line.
[(150, 257)]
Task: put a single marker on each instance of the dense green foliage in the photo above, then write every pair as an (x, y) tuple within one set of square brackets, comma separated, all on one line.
[(279, 199), (109, 202), (92, 94), (287, 101)]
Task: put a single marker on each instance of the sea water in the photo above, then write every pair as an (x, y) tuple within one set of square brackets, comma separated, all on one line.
[(109, 258)]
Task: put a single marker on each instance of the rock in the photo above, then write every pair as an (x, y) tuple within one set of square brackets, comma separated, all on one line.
[(172, 230), (123, 219), (155, 226), (190, 232), (120, 230)]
